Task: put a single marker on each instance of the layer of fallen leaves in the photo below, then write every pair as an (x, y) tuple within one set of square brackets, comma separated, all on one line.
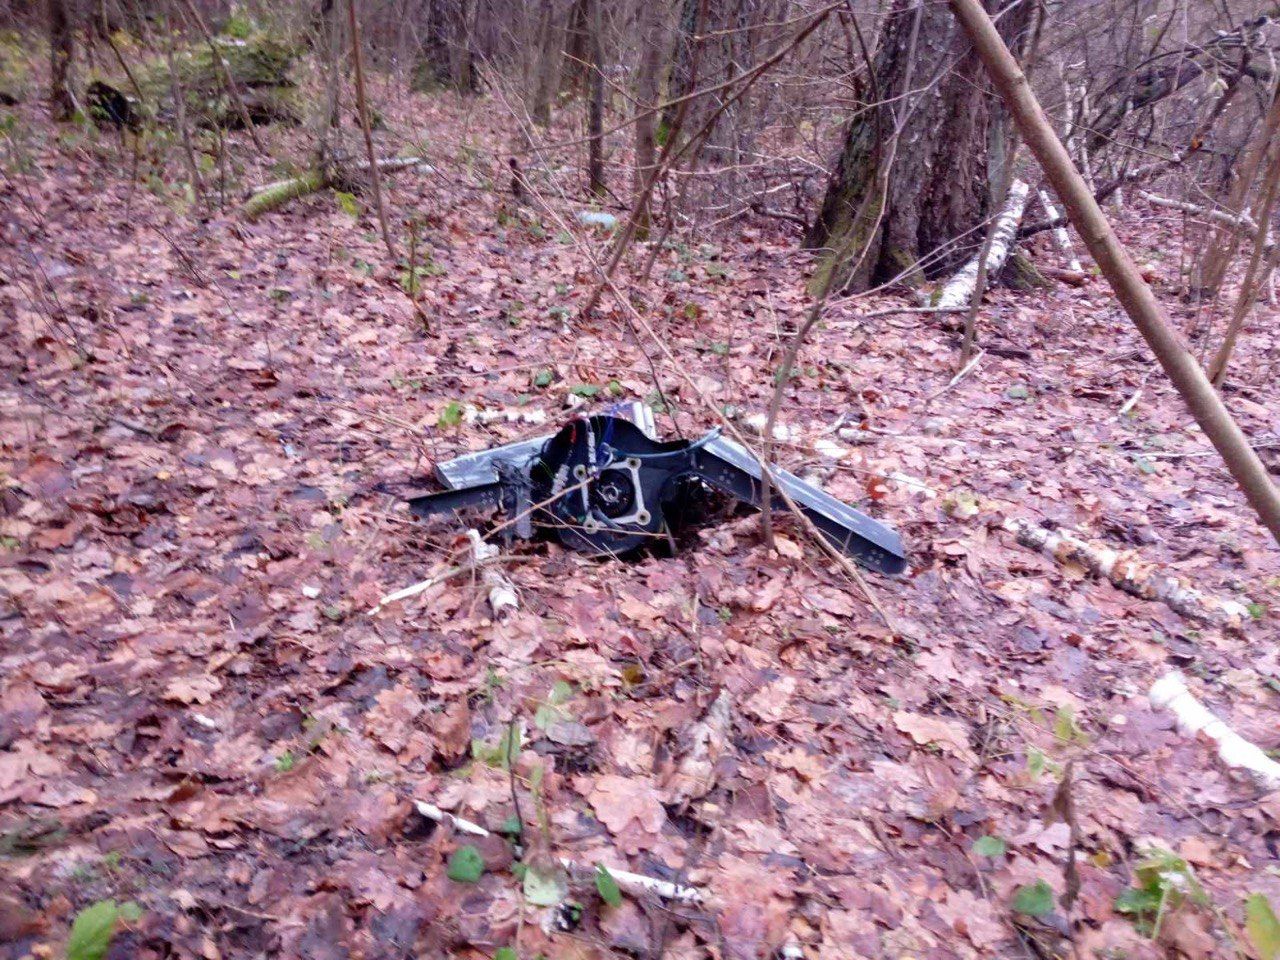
[(203, 424)]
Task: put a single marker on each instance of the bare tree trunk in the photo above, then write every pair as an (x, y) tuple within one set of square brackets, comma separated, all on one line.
[(595, 97), (331, 39), (375, 177), (1249, 285), (549, 51), (691, 13), (1223, 243), (446, 57), (939, 187), (648, 87), (62, 100), (1121, 272)]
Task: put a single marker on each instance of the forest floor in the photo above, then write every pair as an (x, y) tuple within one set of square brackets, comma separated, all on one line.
[(203, 426)]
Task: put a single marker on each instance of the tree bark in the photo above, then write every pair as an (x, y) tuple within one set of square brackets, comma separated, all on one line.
[(1249, 285), (648, 85), (549, 52), (595, 97), (446, 58), (62, 100), (1120, 271), (939, 187)]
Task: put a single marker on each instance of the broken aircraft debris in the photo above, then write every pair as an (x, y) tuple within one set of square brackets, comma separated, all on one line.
[(604, 484)]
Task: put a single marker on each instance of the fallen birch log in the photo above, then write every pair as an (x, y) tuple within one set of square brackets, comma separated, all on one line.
[(958, 291), (1243, 223), (1170, 692), (1129, 573), (625, 879), (272, 196), (1060, 234)]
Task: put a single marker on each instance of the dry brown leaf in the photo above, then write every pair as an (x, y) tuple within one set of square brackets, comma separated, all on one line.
[(949, 735), (392, 718), (619, 801), (195, 689)]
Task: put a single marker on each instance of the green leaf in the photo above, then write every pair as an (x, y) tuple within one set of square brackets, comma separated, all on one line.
[(584, 390), (92, 930), (542, 378), (1066, 727), (614, 388), (507, 747), (545, 888), (466, 865), (451, 415), (1257, 610), (506, 953), (545, 716), (1138, 901), (347, 202), (1262, 926), (989, 846), (1017, 392), (607, 887), (510, 826), (1035, 900), (561, 692)]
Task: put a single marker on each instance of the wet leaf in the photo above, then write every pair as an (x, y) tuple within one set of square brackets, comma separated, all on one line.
[(989, 846), (1035, 899), (607, 887)]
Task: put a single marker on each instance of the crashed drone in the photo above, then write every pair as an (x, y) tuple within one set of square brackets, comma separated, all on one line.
[(604, 485)]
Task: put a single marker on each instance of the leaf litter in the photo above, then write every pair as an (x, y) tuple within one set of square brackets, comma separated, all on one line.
[(196, 518)]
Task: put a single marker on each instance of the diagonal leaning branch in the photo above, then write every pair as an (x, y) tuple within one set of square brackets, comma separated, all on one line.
[(1130, 289)]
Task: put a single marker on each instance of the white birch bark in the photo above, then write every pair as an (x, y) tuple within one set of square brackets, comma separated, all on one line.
[(1129, 573), (502, 592), (1060, 233), (958, 291), (1171, 693)]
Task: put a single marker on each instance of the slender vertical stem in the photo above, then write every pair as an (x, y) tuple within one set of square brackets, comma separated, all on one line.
[(180, 111), (375, 176), (1249, 285)]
